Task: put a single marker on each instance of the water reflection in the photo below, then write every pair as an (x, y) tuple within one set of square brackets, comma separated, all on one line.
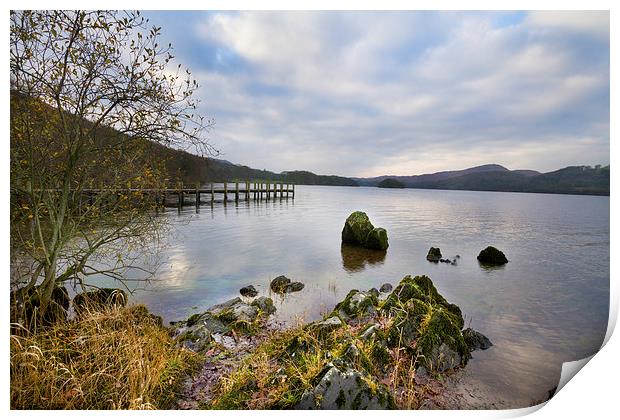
[(356, 258), (539, 310)]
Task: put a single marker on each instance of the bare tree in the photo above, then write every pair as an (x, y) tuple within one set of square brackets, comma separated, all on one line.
[(92, 94)]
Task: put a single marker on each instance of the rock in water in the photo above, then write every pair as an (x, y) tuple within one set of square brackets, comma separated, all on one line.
[(295, 286), (345, 390), (492, 256), (434, 254), (476, 340), (248, 291), (377, 239), (385, 288), (356, 228), (282, 284), (279, 284)]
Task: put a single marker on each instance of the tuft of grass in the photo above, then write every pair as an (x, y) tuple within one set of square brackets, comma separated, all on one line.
[(116, 358)]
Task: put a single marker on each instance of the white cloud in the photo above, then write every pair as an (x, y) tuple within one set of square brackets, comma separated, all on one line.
[(373, 93), (591, 22)]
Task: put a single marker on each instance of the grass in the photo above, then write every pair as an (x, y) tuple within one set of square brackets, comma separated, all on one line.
[(290, 362), (118, 358)]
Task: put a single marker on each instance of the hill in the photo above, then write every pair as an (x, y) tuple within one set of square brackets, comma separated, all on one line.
[(569, 180)]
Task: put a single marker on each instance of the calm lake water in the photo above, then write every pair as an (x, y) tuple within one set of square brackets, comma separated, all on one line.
[(548, 305)]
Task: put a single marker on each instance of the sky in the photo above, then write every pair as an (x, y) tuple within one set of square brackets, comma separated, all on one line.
[(399, 93)]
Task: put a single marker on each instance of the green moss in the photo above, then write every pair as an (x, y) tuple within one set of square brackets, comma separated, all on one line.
[(441, 327), (193, 319), (356, 228), (354, 308), (341, 400)]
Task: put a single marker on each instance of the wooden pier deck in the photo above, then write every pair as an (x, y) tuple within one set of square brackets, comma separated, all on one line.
[(213, 192)]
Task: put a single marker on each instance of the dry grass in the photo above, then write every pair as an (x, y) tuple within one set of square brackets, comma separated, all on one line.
[(116, 359)]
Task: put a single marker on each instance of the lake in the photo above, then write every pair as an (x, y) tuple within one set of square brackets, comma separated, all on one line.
[(548, 305)]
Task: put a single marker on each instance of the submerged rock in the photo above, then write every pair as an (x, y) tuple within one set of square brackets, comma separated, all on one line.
[(295, 286), (492, 256), (358, 230), (248, 291), (434, 254), (476, 340), (346, 389)]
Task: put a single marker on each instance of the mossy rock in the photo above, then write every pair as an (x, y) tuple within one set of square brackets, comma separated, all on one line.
[(377, 239), (418, 287), (264, 304), (356, 305), (356, 228), (440, 342), (492, 256), (403, 330), (346, 389), (434, 254)]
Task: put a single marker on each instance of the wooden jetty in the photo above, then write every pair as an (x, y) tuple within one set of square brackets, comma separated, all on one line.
[(183, 195)]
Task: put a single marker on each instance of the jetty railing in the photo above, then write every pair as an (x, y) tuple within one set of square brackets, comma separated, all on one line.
[(227, 191)]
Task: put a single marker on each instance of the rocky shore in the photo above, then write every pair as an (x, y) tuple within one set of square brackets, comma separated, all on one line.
[(376, 350)]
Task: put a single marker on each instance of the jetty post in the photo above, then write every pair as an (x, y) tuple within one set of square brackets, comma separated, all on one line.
[(225, 192), (247, 190), (237, 192), (197, 194), (180, 194)]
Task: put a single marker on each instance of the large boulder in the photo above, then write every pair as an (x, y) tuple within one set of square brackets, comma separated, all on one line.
[(377, 239), (492, 256), (428, 325), (356, 228), (345, 389), (434, 255)]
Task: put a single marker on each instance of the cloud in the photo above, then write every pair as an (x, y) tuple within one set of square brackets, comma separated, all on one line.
[(370, 93)]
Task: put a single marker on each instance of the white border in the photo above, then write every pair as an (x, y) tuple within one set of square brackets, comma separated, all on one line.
[(591, 394)]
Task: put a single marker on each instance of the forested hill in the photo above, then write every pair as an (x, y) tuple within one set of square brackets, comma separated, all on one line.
[(191, 168)]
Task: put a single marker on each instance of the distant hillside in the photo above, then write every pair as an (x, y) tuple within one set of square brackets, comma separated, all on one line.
[(410, 180), (570, 180), (191, 168)]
